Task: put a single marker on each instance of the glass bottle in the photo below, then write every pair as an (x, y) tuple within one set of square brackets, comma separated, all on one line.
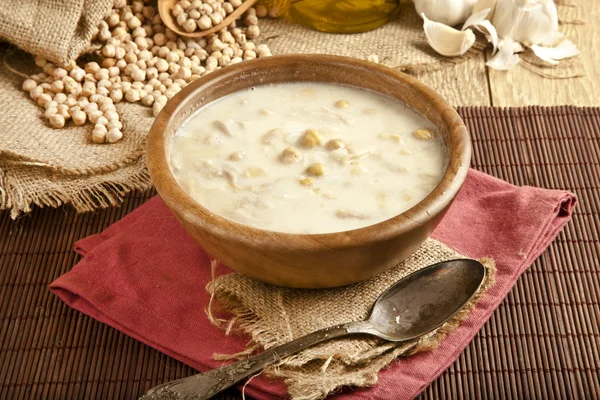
[(343, 16)]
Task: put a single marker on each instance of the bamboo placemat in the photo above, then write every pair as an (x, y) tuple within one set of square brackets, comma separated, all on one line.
[(543, 342)]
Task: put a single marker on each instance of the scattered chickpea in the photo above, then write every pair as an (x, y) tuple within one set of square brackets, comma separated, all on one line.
[(57, 121), (317, 169), (424, 134), (373, 58), (29, 84), (114, 135), (79, 117), (342, 104), (141, 60), (311, 138)]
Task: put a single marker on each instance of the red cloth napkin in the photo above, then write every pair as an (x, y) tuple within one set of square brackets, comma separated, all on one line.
[(144, 276)]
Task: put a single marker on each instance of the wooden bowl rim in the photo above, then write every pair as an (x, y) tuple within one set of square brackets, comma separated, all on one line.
[(195, 214)]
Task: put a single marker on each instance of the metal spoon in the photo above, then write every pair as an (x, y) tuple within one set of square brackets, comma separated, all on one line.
[(414, 306)]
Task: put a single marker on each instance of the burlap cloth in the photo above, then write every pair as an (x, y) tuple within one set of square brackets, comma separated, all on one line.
[(272, 315), (47, 167)]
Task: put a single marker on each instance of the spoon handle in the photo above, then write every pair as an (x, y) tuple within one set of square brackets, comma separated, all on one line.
[(207, 384)]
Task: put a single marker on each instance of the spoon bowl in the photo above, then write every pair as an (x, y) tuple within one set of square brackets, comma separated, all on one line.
[(425, 300), (165, 7), (417, 304)]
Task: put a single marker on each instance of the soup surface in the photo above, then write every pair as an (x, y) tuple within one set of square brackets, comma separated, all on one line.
[(307, 157)]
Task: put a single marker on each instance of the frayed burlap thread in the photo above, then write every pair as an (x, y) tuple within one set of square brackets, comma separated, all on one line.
[(272, 316)]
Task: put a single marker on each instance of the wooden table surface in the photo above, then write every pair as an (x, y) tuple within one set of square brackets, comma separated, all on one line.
[(471, 83)]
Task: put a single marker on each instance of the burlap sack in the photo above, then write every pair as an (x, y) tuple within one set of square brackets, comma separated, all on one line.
[(272, 315), (47, 167), (58, 30)]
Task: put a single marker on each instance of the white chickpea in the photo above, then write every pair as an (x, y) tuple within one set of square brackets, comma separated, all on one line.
[(160, 39), (138, 75), (172, 57), (90, 107), (63, 110), (162, 65), (82, 102), (60, 98), (148, 100), (50, 112), (252, 31), (132, 96), (134, 22), (177, 10), (137, 85), (181, 18), (77, 73), (108, 50), (184, 73), (142, 43), (251, 20), (99, 134), (102, 73), (94, 115), (204, 23), (88, 89), (262, 50), (43, 99), (114, 123), (79, 117), (57, 121), (103, 91), (50, 104), (71, 102), (114, 135), (111, 115), (157, 107)]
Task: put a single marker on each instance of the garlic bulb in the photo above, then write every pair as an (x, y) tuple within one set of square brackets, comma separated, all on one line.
[(509, 25), (527, 21), (446, 40), (448, 12)]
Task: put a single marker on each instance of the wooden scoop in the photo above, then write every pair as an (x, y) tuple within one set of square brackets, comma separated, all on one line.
[(165, 7)]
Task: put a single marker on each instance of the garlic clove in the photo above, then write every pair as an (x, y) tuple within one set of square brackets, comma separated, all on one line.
[(480, 22), (485, 4), (518, 47), (551, 55), (447, 12), (505, 59), (446, 40)]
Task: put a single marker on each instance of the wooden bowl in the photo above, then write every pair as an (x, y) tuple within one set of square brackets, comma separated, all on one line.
[(310, 260)]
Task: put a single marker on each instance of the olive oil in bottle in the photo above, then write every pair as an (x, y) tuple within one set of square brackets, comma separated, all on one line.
[(343, 16)]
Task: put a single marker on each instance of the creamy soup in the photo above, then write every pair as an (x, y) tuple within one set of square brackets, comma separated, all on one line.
[(307, 157)]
